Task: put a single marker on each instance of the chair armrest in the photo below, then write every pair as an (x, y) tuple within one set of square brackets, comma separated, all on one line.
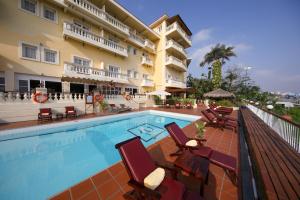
[(141, 188)]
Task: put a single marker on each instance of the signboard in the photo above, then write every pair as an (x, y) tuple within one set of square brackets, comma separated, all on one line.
[(89, 99)]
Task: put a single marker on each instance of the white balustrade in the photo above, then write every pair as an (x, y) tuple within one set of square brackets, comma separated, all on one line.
[(82, 34), (175, 45), (137, 39), (288, 131), (147, 61), (171, 60), (149, 45), (175, 83), (100, 14), (175, 26)]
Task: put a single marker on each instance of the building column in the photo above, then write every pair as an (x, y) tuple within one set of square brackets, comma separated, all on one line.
[(65, 87), (9, 81)]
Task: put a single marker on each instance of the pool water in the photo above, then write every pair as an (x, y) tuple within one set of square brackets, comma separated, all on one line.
[(37, 167)]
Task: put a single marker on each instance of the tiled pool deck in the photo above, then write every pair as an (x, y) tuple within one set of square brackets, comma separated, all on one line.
[(112, 183)]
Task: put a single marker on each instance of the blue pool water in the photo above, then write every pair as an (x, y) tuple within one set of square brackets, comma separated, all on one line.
[(37, 167)]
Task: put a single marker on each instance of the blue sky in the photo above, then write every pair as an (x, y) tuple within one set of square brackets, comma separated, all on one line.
[(266, 34)]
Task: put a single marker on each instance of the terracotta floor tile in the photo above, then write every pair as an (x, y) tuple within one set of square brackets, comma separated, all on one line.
[(117, 196), (63, 196), (81, 189), (101, 178), (91, 196), (122, 178), (116, 169), (108, 189)]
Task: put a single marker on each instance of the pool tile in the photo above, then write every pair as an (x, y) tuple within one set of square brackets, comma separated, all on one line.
[(101, 178), (81, 189)]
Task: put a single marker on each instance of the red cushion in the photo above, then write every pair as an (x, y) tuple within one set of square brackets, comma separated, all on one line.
[(191, 195), (171, 189), (203, 151), (223, 160), (137, 160), (177, 134)]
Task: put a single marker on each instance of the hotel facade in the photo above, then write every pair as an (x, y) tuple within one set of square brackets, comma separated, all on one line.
[(76, 46)]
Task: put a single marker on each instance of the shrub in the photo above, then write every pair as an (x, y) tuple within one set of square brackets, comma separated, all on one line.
[(157, 100), (225, 102)]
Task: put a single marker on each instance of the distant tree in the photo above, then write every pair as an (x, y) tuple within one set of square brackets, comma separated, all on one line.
[(217, 57), (201, 85)]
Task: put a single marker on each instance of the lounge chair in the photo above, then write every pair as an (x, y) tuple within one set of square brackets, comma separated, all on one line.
[(223, 117), (114, 108), (219, 122), (70, 111), (189, 106), (45, 114), (227, 162), (140, 168), (124, 108), (221, 110), (177, 105)]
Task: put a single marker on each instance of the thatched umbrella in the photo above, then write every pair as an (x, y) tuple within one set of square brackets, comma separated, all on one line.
[(219, 93)]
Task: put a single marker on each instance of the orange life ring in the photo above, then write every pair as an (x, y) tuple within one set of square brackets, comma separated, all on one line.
[(98, 98), (40, 97), (128, 97)]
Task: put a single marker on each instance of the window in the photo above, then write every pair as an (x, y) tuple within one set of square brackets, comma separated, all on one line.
[(82, 61), (134, 51), (2, 84), (29, 5), (113, 69), (23, 86), (131, 91), (135, 74), (130, 73), (145, 76), (81, 25), (30, 51), (129, 49), (50, 56), (49, 13), (110, 90)]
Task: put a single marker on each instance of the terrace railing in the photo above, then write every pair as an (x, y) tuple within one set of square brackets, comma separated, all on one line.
[(176, 26), (78, 32), (100, 14), (287, 130)]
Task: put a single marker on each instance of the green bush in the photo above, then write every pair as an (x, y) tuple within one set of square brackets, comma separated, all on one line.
[(225, 102), (157, 100)]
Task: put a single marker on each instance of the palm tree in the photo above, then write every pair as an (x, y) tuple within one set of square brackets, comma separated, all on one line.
[(217, 57)]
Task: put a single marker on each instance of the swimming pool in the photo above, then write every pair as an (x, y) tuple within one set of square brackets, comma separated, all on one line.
[(38, 162)]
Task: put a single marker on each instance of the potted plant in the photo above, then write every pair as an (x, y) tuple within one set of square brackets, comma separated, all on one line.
[(200, 129), (103, 106)]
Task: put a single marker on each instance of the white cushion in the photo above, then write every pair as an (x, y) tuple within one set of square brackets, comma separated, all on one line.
[(71, 111), (45, 114), (192, 143), (154, 179)]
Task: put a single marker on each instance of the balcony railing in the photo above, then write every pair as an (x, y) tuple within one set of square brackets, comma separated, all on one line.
[(100, 14), (176, 26), (175, 45), (171, 60), (149, 45), (79, 33), (147, 61), (137, 39), (175, 83), (147, 83), (287, 130), (79, 71)]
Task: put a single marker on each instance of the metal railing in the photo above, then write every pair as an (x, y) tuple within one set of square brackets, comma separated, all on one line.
[(287, 130), (85, 35), (101, 14)]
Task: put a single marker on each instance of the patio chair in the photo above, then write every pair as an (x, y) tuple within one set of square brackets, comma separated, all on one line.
[(189, 106), (124, 108), (114, 108), (70, 112), (142, 169), (227, 162), (45, 114), (223, 117), (222, 110), (218, 122), (178, 105)]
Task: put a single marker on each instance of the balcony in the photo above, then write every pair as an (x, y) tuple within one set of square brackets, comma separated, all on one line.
[(175, 83), (134, 38), (175, 48), (149, 46), (176, 63), (176, 32), (147, 83), (147, 61), (78, 71), (78, 33), (85, 7)]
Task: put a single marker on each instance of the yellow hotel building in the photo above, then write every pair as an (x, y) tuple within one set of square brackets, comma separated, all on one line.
[(78, 45)]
